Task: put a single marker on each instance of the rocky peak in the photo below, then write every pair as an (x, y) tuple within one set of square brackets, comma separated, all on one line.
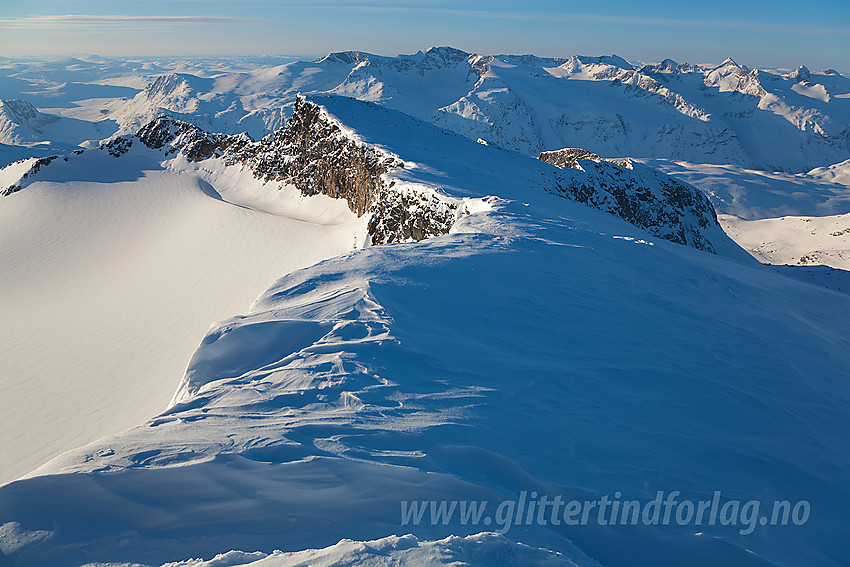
[(613, 60), (801, 74), (195, 143), (668, 66), (448, 55), (731, 77), (316, 154), (344, 57), (729, 62), (568, 157)]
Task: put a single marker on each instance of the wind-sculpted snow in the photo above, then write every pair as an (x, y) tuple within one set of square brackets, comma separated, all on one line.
[(472, 366), (541, 347), (482, 550)]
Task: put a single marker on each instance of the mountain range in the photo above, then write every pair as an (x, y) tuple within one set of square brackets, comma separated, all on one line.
[(721, 114), (278, 302)]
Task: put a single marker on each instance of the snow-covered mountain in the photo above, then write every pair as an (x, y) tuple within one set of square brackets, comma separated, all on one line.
[(316, 154), (25, 131), (22, 123), (248, 327), (541, 347), (721, 114)]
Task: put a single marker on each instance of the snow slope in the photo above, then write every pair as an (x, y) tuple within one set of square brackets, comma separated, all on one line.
[(113, 271), (542, 347), (798, 220), (823, 241), (836, 173)]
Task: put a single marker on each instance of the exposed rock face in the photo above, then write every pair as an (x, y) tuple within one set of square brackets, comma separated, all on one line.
[(119, 146), (313, 153), (801, 74), (568, 157), (638, 194), (401, 215), (34, 169)]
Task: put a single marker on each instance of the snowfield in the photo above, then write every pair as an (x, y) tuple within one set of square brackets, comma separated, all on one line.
[(112, 274), (204, 369), (543, 347), (780, 218)]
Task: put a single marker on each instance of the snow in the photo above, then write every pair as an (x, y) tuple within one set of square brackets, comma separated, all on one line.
[(753, 194), (836, 173), (113, 270), (816, 91), (779, 218), (794, 240), (482, 550), (196, 363), (724, 114), (12, 174), (543, 346)]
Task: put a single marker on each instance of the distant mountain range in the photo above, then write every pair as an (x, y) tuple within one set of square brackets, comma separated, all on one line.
[(724, 114)]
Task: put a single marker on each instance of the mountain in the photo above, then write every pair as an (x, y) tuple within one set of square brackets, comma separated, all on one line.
[(540, 347), (21, 122), (181, 95), (440, 308), (646, 198), (719, 114), (26, 132), (316, 154)]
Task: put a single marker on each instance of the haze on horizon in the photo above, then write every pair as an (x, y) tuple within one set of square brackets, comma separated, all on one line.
[(758, 34)]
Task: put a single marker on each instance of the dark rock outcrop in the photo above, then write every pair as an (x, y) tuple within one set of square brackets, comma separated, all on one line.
[(640, 195), (398, 216), (34, 169), (568, 157), (119, 146), (313, 153)]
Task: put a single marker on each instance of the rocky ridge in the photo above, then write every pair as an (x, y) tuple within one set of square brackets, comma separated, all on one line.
[(640, 195), (317, 154)]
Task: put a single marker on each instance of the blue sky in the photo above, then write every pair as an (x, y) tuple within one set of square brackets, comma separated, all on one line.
[(757, 33)]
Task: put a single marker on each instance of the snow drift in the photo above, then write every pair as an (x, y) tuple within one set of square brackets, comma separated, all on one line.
[(540, 346)]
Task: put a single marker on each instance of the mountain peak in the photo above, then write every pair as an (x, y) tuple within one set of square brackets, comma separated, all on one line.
[(802, 73), (613, 59), (18, 110), (345, 57), (729, 62), (448, 54), (23, 113)]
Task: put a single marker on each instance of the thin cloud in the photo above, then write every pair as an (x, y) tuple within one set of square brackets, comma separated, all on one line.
[(68, 21)]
